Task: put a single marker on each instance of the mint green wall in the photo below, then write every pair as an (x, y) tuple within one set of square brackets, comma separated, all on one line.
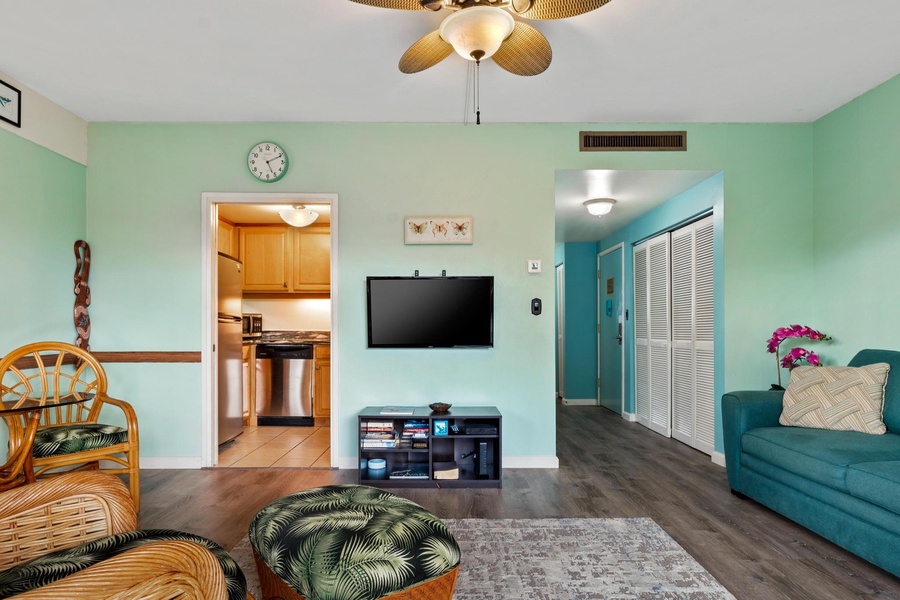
[(42, 212), (42, 203), (144, 187), (857, 225)]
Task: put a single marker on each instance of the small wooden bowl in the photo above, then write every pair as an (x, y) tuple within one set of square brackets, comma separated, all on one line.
[(440, 407)]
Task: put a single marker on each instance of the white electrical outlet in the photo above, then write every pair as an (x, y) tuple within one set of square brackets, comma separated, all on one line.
[(534, 265)]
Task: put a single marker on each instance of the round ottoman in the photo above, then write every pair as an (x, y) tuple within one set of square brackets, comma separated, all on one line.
[(352, 542)]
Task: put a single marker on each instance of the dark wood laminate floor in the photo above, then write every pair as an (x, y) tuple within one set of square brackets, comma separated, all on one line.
[(608, 468)]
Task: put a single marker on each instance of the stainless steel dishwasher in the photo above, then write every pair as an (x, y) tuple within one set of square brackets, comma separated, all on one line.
[(284, 384)]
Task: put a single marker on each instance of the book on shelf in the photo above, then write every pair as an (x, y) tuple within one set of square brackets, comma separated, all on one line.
[(446, 470), (379, 435), (398, 410), (376, 425), (391, 443), (409, 472)]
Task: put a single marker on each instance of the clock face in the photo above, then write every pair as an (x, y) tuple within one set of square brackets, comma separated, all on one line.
[(267, 161)]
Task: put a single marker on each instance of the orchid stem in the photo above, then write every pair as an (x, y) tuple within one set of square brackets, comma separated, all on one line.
[(778, 366)]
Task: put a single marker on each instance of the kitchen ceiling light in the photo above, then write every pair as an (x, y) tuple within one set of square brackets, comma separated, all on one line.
[(476, 33), (599, 206), (298, 216)]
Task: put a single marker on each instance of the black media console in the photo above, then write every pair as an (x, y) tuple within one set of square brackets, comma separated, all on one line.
[(458, 448)]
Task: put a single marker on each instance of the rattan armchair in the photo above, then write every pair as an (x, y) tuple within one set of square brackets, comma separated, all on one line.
[(69, 437), (79, 510)]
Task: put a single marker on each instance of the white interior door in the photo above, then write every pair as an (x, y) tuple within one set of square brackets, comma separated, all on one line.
[(693, 396), (652, 344)]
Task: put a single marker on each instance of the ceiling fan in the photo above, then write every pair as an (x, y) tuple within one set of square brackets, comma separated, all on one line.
[(479, 29)]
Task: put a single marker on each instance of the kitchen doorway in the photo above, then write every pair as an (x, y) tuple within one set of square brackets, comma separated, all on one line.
[(309, 445)]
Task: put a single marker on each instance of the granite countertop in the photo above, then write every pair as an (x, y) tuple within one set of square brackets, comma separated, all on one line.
[(295, 337)]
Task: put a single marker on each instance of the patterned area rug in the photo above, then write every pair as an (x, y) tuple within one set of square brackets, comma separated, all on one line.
[(563, 559)]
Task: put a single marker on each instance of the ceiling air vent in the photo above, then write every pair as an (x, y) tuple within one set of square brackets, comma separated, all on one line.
[(632, 141)]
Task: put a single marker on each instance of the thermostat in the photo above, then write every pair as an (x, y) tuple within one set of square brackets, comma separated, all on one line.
[(534, 265)]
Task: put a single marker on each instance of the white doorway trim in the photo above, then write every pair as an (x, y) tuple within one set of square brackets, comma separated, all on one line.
[(209, 452), (619, 246), (561, 331)]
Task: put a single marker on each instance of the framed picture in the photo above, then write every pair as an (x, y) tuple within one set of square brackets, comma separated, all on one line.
[(438, 230), (10, 104), (441, 426)]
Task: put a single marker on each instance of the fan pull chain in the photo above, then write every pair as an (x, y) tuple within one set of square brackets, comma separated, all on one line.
[(478, 92), (469, 77)]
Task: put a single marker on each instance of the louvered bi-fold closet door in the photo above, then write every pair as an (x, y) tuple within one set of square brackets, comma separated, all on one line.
[(693, 397), (652, 334)]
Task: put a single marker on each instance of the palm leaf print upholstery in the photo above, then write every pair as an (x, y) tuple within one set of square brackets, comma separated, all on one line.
[(351, 542), (57, 565), (69, 439)]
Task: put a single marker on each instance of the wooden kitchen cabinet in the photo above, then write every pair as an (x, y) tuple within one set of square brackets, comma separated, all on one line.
[(226, 238), (266, 253), (285, 259), (322, 384), (312, 260)]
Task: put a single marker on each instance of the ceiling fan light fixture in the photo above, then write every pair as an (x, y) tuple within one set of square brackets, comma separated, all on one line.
[(599, 206), (298, 216), (476, 33)]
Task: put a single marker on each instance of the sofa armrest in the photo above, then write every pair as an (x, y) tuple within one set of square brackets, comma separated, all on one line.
[(741, 412)]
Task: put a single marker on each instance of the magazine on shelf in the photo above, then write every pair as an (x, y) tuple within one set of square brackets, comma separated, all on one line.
[(409, 472), (398, 410)]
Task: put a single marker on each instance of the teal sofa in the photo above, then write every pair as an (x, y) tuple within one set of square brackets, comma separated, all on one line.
[(843, 485)]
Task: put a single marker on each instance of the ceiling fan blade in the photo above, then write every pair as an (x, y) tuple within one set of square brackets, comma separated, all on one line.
[(398, 4), (557, 9), (427, 52), (525, 52)]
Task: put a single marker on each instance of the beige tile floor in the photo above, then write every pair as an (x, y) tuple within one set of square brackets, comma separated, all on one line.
[(275, 446)]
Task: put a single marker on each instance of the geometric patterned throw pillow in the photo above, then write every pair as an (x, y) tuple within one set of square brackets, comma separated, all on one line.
[(841, 398)]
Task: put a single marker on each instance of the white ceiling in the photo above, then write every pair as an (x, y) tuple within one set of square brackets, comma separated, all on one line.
[(334, 60), (631, 61)]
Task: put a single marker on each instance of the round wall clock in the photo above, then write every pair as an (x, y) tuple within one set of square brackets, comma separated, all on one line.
[(267, 161)]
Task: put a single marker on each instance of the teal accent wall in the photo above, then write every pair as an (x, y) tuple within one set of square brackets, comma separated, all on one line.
[(706, 197), (42, 203), (580, 299), (856, 221)]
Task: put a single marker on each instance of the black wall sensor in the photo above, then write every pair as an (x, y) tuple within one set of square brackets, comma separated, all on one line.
[(535, 306)]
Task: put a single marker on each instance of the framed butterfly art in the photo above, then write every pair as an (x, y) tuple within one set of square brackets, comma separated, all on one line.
[(438, 230)]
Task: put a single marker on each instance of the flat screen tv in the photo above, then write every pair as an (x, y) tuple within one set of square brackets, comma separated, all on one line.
[(430, 312)]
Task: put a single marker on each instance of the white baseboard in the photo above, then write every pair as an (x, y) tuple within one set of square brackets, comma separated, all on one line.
[(718, 458), (171, 462), (530, 462), (579, 401), (630, 417)]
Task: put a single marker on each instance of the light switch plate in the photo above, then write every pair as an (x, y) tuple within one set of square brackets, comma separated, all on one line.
[(534, 265)]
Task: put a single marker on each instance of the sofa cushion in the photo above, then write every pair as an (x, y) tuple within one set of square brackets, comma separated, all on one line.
[(877, 482), (838, 398), (819, 454)]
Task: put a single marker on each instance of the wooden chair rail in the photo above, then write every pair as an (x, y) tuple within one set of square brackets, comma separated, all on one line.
[(119, 357)]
